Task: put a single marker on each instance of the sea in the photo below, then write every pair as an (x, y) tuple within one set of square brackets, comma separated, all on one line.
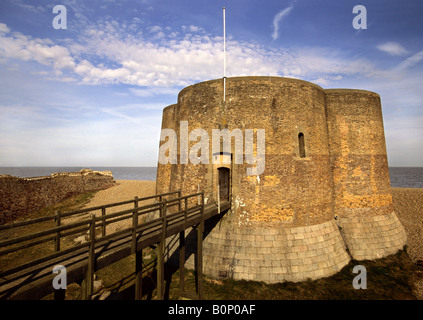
[(119, 173), (401, 177)]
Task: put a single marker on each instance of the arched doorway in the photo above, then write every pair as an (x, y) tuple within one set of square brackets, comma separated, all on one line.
[(224, 183)]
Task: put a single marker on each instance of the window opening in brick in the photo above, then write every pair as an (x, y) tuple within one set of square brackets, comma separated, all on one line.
[(301, 145)]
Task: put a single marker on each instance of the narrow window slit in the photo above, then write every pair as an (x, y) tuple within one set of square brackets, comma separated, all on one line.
[(301, 145)]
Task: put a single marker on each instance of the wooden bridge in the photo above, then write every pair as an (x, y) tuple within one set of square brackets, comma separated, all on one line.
[(172, 212)]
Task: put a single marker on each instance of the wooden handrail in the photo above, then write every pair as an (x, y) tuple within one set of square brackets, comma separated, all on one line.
[(43, 259), (33, 278), (59, 231), (67, 214)]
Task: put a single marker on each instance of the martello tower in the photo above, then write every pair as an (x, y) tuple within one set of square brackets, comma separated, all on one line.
[(324, 195)]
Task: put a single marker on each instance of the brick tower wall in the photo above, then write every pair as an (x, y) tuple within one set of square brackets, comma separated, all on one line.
[(164, 171), (362, 191), (283, 108)]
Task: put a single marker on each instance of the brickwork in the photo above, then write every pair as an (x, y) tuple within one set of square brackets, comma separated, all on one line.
[(358, 153), (18, 195), (281, 226), (169, 120), (283, 108)]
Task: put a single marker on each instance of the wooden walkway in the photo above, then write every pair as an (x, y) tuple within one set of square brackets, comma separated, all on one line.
[(173, 214)]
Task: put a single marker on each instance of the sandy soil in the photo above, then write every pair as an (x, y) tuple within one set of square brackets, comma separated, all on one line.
[(408, 204), (122, 190)]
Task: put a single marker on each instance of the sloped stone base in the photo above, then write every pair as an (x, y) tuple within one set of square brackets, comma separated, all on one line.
[(373, 237), (279, 253), (273, 255)]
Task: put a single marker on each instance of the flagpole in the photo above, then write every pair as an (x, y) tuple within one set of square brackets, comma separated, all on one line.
[(224, 56)]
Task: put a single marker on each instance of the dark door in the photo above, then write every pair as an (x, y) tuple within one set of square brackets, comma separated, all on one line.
[(224, 183)]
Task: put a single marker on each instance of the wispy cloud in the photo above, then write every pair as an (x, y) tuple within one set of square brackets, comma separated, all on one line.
[(411, 61), (29, 7), (277, 19), (150, 92), (392, 48)]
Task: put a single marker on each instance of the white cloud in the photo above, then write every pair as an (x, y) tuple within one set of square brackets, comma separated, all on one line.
[(155, 29), (43, 51), (277, 19), (4, 28), (110, 55), (411, 61), (191, 28), (29, 7), (392, 48), (149, 92)]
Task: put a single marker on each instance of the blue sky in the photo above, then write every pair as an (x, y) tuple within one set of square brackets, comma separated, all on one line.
[(93, 94)]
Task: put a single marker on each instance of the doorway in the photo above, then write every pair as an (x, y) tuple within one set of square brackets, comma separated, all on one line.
[(224, 183)]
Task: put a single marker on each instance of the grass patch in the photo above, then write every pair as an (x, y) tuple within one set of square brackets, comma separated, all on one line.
[(389, 278)]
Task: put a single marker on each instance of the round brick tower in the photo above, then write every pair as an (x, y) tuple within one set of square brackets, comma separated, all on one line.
[(281, 226)]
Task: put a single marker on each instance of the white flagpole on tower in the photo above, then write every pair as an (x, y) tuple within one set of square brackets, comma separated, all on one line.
[(224, 56)]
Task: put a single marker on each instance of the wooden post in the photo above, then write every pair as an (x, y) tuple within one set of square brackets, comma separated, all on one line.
[(160, 254), (182, 262), (59, 294), (103, 222), (199, 196), (218, 199), (91, 261), (200, 231), (138, 253), (58, 222), (182, 248), (138, 275), (185, 213), (134, 226)]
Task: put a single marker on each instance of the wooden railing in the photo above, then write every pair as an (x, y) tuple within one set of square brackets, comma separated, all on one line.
[(59, 231), (172, 209)]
